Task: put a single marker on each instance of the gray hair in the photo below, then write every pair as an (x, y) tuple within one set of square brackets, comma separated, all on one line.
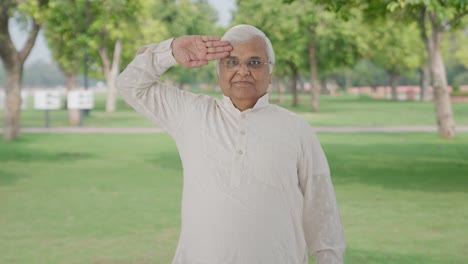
[(245, 33)]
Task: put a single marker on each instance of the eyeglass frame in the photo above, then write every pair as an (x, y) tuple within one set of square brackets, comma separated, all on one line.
[(240, 62)]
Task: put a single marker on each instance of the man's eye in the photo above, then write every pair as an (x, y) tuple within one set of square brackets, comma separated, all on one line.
[(232, 62), (255, 62)]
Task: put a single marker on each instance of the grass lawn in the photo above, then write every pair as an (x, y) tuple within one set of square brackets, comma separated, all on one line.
[(116, 198), (335, 111)]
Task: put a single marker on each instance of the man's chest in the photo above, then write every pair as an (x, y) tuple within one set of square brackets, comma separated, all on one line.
[(242, 150)]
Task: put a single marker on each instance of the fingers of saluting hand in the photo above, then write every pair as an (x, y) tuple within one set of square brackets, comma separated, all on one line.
[(214, 41), (215, 48), (219, 49), (217, 43), (217, 56)]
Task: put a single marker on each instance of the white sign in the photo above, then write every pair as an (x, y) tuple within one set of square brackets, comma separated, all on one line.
[(80, 99), (24, 100), (47, 100)]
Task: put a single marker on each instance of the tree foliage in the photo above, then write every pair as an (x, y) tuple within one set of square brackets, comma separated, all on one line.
[(184, 17), (308, 38), (397, 48), (65, 32)]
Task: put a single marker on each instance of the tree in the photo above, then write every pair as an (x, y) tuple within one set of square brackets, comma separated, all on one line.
[(65, 33), (461, 51), (278, 21), (112, 25), (333, 43), (304, 27), (395, 48), (187, 17), (434, 19), (31, 12)]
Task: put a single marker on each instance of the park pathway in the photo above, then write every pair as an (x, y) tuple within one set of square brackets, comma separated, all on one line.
[(152, 130)]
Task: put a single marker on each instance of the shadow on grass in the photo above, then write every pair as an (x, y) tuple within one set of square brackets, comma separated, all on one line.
[(40, 156), (14, 157), (9, 177), (166, 160), (354, 256)]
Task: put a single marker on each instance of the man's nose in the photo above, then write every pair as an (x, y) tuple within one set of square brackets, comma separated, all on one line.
[(243, 69)]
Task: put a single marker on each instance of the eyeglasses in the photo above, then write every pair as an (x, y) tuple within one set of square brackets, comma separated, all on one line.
[(252, 64)]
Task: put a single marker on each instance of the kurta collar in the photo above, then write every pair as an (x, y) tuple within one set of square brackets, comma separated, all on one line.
[(261, 102)]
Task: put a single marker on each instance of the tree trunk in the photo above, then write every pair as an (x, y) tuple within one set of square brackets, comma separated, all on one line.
[(425, 69), (393, 79), (323, 87), (111, 71), (281, 91), (425, 82), (13, 62), (315, 89), (111, 100), (293, 82), (348, 79), (276, 88), (73, 114), (443, 105), (12, 110)]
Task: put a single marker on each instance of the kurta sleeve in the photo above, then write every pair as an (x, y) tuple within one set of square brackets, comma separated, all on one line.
[(322, 225), (140, 86)]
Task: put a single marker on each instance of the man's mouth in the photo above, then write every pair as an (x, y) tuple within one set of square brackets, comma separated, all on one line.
[(243, 83)]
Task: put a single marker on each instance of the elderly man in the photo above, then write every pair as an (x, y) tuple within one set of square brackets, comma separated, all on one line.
[(257, 185)]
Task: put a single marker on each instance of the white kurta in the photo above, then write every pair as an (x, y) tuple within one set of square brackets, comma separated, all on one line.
[(257, 185)]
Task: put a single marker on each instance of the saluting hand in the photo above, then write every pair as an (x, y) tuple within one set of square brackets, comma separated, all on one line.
[(196, 51)]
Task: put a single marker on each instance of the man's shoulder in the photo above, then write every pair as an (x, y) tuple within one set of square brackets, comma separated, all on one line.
[(288, 115), (197, 98), (290, 120)]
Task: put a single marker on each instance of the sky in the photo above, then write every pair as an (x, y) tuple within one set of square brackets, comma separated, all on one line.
[(42, 52)]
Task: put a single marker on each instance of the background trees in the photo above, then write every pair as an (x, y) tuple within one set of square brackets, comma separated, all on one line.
[(396, 48), (434, 19), (31, 13), (317, 42), (186, 17), (111, 25), (66, 37)]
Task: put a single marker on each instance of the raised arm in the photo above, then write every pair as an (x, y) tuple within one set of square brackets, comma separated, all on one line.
[(139, 84)]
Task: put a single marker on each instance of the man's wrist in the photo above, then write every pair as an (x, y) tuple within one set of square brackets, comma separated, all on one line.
[(164, 57)]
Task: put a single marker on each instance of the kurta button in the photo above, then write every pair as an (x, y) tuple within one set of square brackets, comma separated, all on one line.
[(240, 152), (242, 115), (242, 132)]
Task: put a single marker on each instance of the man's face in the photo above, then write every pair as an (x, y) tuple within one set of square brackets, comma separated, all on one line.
[(249, 80)]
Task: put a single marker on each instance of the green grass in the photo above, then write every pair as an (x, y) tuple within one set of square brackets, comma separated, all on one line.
[(116, 198), (335, 111), (365, 111)]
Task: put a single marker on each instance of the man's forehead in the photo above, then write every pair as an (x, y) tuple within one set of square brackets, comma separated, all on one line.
[(249, 49)]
